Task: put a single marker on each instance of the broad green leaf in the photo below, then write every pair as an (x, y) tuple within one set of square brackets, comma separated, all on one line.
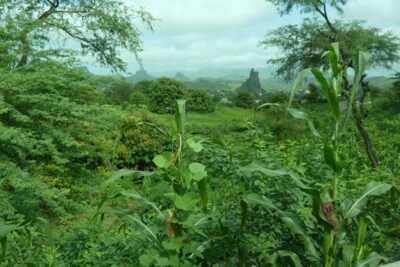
[(149, 258), (373, 189), (296, 228), (125, 173), (374, 260), (173, 243), (331, 157), (301, 115), (194, 145), (197, 171), (180, 116), (348, 254), (361, 63), (329, 93), (255, 199), (333, 58), (163, 161), (296, 85), (186, 202), (255, 167)]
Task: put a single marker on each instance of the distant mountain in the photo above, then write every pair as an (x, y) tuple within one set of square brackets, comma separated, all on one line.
[(212, 85), (252, 85), (181, 77), (140, 75), (237, 74)]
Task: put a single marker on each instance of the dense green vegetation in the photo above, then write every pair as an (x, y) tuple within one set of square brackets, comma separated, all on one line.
[(98, 171)]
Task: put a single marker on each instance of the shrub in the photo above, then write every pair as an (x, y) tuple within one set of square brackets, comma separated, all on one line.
[(118, 90), (163, 94), (200, 101), (276, 97), (138, 99), (244, 100), (140, 139), (143, 86)]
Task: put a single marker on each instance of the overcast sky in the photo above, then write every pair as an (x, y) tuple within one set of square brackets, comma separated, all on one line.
[(192, 35)]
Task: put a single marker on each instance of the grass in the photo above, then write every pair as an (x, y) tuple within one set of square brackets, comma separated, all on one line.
[(222, 117)]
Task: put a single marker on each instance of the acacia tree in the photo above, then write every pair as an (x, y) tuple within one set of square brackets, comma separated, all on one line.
[(304, 45), (100, 27)]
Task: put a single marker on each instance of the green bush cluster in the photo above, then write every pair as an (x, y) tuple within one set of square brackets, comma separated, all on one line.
[(140, 139), (200, 101), (244, 100), (160, 96)]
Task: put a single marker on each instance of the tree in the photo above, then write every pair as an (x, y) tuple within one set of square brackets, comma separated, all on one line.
[(396, 86), (304, 46), (118, 89), (101, 28), (200, 101), (244, 100), (163, 94)]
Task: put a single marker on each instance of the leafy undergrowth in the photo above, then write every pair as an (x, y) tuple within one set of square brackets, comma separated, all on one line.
[(99, 185)]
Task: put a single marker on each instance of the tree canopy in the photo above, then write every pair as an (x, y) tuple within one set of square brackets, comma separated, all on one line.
[(320, 6), (304, 44), (100, 28)]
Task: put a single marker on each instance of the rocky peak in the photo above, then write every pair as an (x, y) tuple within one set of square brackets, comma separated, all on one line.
[(252, 85)]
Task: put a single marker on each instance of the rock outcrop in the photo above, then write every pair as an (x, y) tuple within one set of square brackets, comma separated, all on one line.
[(181, 77), (140, 75), (252, 85)]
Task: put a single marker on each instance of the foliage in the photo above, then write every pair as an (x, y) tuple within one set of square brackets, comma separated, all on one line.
[(101, 29), (118, 90), (163, 93), (140, 138), (304, 45), (86, 183), (286, 6), (276, 97), (396, 85), (244, 100), (200, 101), (138, 99)]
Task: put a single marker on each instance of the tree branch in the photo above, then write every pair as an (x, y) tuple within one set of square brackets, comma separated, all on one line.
[(324, 13)]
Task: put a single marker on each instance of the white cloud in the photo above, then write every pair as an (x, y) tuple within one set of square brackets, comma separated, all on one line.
[(204, 15), (196, 34), (375, 11)]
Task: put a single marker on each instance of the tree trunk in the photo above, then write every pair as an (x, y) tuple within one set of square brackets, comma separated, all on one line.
[(359, 114), (25, 45), (369, 147)]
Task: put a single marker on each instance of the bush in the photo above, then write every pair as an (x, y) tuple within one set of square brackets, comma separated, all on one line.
[(140, 139), (138, 99), (244, 100), (276, 97), (143, 86), (163, 94), (118, 90), (200, 101)]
